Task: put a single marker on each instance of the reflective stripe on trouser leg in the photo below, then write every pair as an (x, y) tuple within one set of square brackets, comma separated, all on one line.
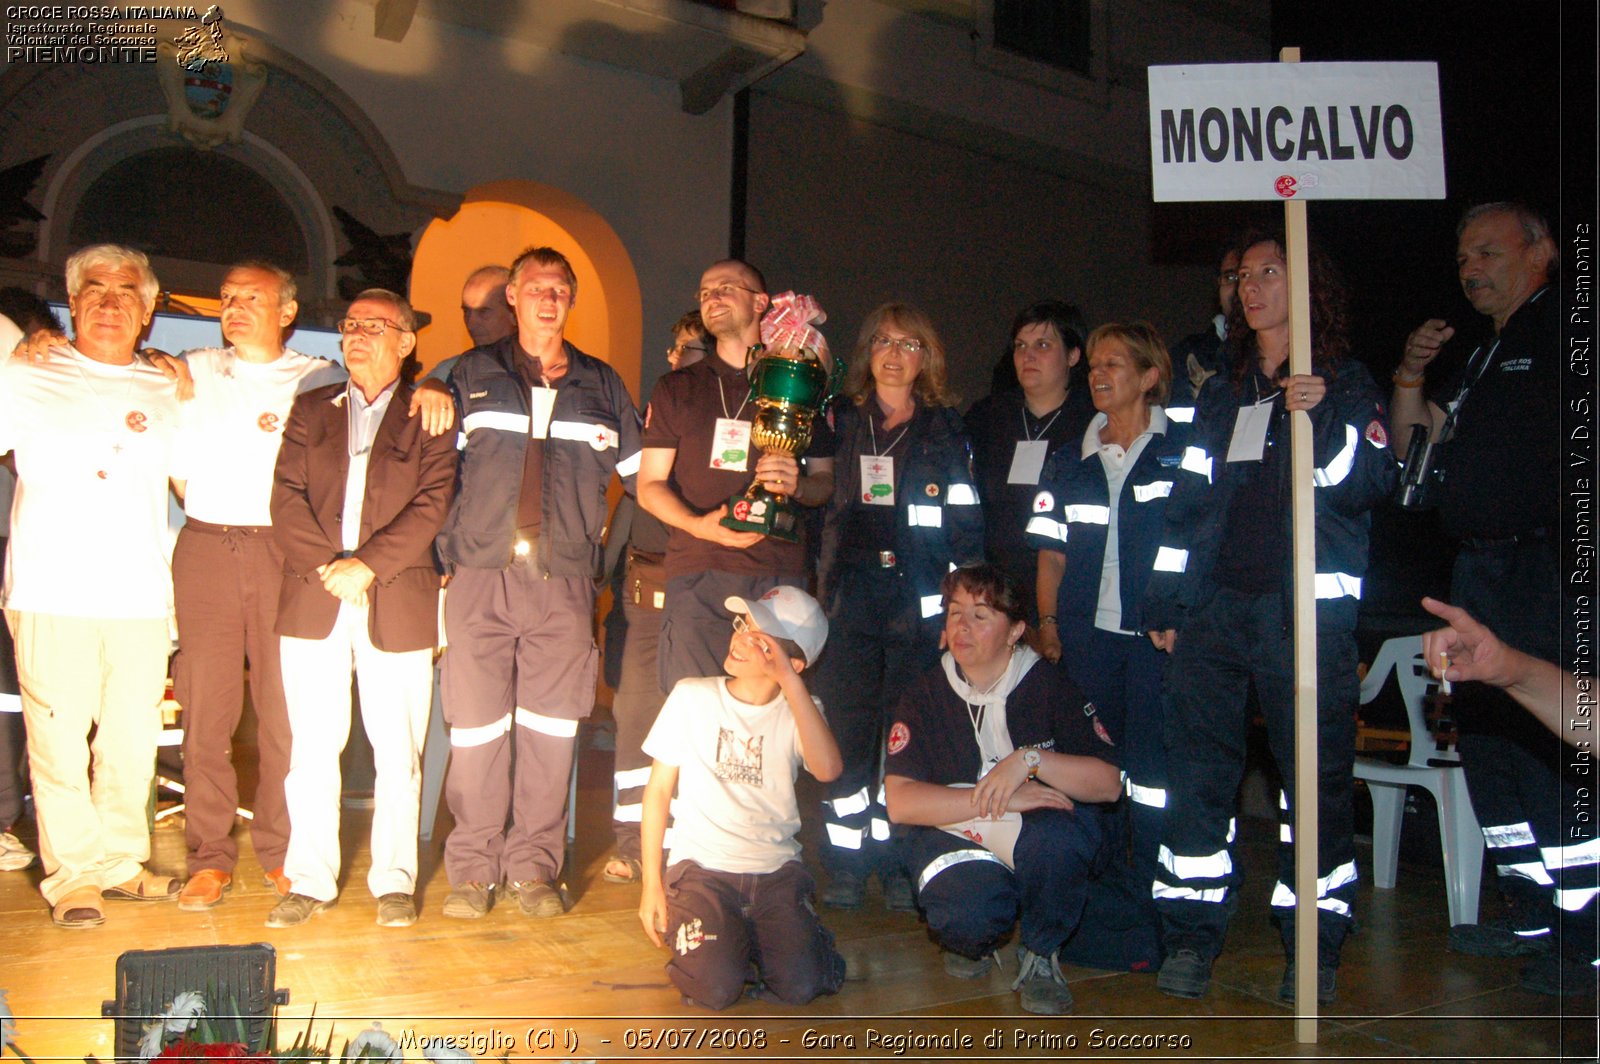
[(969, 897)]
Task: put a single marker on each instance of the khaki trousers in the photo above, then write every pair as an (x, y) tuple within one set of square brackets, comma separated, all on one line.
[(79, 674)]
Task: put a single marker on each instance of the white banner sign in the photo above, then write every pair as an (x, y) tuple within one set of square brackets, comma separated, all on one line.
[(1252, 131)]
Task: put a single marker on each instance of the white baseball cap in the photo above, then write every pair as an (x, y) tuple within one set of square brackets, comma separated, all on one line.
[(787, 613)]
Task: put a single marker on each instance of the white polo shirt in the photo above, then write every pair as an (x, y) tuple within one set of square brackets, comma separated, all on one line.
[(93, 446)]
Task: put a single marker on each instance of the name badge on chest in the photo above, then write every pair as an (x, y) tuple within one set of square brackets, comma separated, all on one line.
[(730, 445), (1027, 462), (877, 480), (1249, 441), (541, 404)]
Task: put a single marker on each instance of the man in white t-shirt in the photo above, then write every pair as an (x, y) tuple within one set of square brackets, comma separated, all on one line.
[(87, 587), (226, 572)]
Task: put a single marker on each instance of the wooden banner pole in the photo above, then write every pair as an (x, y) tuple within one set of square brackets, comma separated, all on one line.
[(1305, 626)]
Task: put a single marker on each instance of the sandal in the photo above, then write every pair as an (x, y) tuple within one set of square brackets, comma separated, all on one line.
[(635, 870), (146, 886), (78, 909)]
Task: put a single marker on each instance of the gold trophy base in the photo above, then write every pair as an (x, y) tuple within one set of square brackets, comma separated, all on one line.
[(762, 511)]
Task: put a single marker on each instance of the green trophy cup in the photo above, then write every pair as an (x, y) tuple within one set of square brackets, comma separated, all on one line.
[(789, 393)]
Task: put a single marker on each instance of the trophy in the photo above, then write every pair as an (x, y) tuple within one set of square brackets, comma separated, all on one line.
[(790, 387)]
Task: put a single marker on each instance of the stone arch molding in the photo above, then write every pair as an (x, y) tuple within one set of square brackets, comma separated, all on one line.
[(304, 136)]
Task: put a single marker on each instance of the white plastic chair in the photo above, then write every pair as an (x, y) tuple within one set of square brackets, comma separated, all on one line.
[(1439, 771)]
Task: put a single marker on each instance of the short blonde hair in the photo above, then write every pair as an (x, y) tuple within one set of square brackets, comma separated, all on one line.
[(1144, 347)]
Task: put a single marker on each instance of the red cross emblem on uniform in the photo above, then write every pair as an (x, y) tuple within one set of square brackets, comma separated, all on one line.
[(730, 433), (599, 438)]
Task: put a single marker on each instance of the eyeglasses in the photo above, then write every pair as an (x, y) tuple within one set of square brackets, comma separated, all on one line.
[(723, 291), (677, 349), (741, 624), (906, 344), (368, 326)]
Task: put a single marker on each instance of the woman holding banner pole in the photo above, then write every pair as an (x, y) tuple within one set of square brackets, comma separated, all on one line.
[(1220, 601)]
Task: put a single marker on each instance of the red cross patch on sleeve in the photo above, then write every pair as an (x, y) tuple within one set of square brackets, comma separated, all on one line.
[(1376, 435), (899, 736)]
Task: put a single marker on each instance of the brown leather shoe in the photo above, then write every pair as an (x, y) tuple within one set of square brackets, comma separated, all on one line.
[(204, 889), (78, 909), (146, 886), (277, 881)]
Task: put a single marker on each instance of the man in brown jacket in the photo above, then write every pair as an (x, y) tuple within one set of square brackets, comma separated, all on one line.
[(359, 493)]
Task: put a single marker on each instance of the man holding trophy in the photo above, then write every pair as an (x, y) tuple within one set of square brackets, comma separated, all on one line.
[(702, 448)]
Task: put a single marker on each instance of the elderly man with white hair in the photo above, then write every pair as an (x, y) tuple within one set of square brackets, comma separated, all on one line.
[(88, 589)]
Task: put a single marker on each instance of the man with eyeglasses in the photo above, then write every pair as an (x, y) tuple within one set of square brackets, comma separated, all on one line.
[(546, 427), (1494, 414), (697, 454), (360, 492)]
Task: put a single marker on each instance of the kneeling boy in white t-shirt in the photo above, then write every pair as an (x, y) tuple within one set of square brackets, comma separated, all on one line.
[(735, 890)]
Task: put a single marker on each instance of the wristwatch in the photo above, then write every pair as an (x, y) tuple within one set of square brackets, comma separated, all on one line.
[(1030, 757)]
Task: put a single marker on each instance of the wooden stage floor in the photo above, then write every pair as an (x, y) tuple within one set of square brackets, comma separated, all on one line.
[(591, 976)]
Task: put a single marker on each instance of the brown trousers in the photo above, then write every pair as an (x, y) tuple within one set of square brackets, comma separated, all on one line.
[(225, 583)]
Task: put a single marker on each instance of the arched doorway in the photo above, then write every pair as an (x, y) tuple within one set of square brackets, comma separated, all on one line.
[(498, 220)]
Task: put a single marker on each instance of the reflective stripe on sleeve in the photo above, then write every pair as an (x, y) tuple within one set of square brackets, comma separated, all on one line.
[(1085, 514), (932, 605), (919, 516), (1182, 414), (1048, 527), (630, 465), (1335, 471), (850, 804), (961, 495)]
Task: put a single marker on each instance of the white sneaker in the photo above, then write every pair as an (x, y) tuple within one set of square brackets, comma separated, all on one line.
[(13, 855)]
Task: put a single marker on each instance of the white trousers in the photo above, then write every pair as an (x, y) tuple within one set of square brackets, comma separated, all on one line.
[(396, 692)]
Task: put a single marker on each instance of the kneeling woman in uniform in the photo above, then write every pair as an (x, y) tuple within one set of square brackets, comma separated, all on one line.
[(903, 508), (1004, 770)]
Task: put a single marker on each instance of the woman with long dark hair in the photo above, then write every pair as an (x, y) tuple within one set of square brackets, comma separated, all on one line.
[(1221, 604)]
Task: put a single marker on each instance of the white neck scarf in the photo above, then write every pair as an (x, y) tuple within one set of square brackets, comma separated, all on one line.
[(994, 740)]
